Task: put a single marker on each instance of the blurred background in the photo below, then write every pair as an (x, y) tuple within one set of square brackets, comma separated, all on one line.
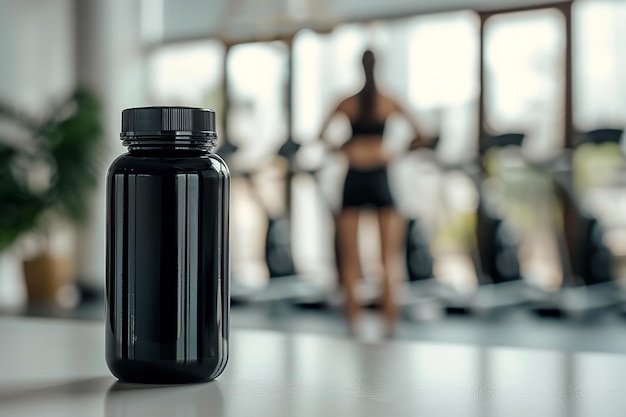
[(515, 224)]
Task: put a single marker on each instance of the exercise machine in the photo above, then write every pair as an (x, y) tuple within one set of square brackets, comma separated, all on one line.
[(588, 281)]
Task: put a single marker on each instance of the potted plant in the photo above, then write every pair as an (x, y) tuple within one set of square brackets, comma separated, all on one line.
[(48, 167)]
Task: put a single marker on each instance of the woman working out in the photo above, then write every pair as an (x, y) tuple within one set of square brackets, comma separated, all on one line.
[(367, 185)]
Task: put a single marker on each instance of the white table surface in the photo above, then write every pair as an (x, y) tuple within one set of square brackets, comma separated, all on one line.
[(56, 368)]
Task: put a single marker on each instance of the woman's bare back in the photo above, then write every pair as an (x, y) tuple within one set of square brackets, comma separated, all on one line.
[(367, 151)]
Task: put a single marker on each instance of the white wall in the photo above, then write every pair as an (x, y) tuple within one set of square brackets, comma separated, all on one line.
[(110, 63), (36, 52), (47, 47), (36, 69)]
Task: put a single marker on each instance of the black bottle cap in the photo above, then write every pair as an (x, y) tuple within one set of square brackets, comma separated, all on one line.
[(167, 121)]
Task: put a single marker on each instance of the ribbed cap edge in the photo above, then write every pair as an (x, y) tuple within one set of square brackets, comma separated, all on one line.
[(167, 119)]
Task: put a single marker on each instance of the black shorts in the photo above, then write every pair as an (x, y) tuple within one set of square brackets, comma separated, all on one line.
[(367, 188)]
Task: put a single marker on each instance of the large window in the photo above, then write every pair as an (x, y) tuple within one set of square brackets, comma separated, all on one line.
[(427, 63), (257, 89), (443, 81), (524, 77), (189, 74), (599, 64)]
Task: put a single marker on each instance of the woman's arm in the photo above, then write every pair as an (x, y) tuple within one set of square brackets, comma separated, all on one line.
[(340, 108), (419, 140)]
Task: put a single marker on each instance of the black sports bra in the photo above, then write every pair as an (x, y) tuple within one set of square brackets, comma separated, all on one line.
[(370, 129)]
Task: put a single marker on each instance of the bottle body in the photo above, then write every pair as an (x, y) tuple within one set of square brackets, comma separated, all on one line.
[(167, 279)]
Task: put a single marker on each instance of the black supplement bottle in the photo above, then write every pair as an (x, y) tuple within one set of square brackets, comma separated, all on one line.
[(167, 277)]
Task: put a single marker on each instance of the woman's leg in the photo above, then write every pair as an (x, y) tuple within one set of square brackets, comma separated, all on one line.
[(349, 267), (391, 237)]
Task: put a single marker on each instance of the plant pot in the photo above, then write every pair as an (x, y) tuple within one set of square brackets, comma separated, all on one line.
[(45, 275)]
